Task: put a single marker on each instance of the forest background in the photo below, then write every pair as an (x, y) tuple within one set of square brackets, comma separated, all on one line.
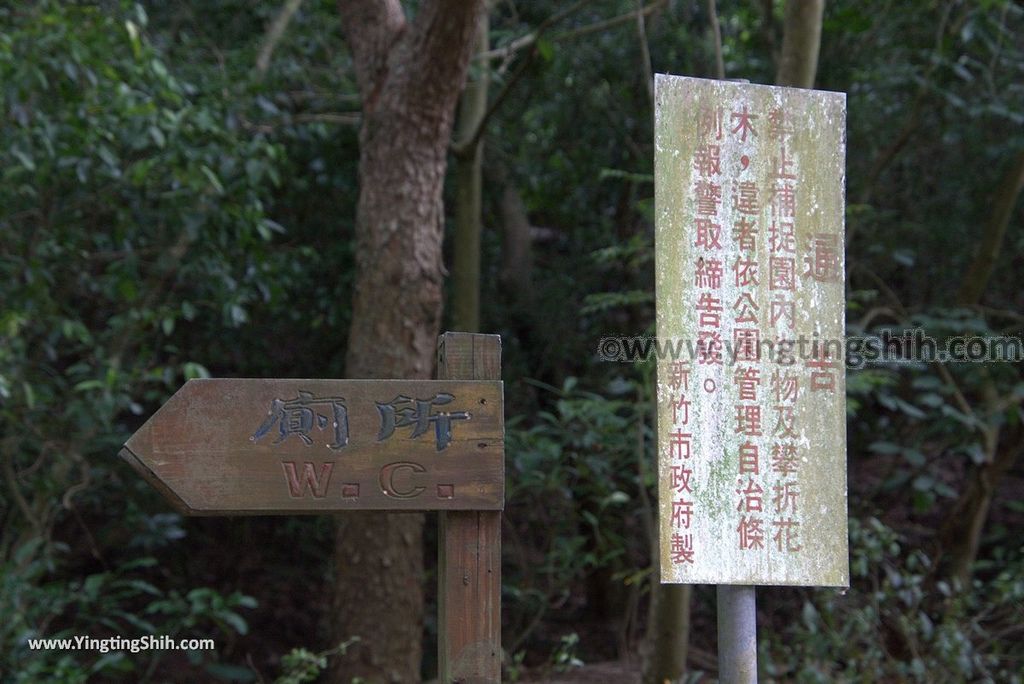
[(196, 189)]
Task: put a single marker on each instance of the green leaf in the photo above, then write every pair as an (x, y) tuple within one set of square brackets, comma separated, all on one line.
[(236, 621), (30, 395), (212, 177), (25, 160), (246, 601), (230, 673), (133, 37), (914, 457), (192, 370), (546, 49)]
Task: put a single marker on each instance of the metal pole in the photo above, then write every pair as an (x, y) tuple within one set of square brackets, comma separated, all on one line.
[(737, 635)]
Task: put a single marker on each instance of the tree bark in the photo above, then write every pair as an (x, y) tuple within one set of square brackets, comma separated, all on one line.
[(668, 633), (410, 73), (801, 40), (469, 196)]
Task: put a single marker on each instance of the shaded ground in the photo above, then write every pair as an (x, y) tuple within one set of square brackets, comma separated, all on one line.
[(623, 671)]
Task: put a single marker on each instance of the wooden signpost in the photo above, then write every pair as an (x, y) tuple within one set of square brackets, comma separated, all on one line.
[(244, 446), (749, 193)]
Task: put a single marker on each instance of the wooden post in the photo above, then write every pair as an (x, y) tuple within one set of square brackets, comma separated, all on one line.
[(469, 546)]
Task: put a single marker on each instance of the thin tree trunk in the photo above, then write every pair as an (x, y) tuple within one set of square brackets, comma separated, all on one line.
[(980, 270), (517, 245), (716, 38), (767, 29), (668, 632), (801, 40), (469, 196), (961, 532), (667, 637), (409, 74)]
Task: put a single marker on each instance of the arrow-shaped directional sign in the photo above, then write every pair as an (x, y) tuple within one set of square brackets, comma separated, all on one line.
[(224, 446)]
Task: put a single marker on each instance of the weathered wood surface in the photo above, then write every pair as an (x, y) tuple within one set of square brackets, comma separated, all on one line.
[(749, 192), (237, 446), (469, 557)]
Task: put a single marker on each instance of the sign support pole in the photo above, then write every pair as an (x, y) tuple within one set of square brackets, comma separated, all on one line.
[(737, 634), (469, 546)]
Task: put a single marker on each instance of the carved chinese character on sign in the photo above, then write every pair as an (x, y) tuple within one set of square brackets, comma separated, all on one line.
[(300, 415), (404, 411)]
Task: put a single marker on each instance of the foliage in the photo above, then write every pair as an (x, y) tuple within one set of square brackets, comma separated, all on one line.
[(565, 656), (301, 665), (132, 208), (583, 469), (116, 603), (168, 213), (898, 623)]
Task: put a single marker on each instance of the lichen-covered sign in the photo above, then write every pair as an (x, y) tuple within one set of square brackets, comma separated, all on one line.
[(750, 301)]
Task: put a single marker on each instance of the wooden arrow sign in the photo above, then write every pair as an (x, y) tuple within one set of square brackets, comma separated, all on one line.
[(236, 446)]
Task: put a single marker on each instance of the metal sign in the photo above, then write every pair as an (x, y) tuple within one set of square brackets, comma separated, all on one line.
[(232, 446), (750, 306)]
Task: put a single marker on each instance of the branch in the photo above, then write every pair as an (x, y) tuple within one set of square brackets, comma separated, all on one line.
[(12, 485), (431, 60), (531, 38), (608, 23), (274, 34), (463, 148), (944, 374), (341, 118), (910, 125), (371, 28)]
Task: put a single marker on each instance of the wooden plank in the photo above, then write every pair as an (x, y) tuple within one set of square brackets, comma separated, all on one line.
[(749, 183), (469, 554), (235, 446)]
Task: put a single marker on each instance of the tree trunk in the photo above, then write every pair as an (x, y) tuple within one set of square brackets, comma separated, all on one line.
[(668, 633), (961, 532), (517, 245), (409, 74), (801, 40), (716, 39), (469, 197), (667, 637), (980, 270)]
